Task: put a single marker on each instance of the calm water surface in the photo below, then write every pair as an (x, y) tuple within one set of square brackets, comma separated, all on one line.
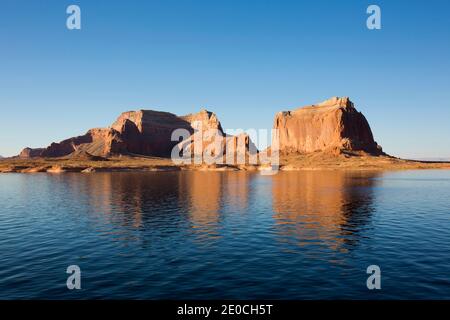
[(199, 235)]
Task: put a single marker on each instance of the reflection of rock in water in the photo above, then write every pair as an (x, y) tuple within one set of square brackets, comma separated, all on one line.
[(146, 197), (236, 190), (136, 200), (127, 199), (206, 193), (329, 207), (201, 191)]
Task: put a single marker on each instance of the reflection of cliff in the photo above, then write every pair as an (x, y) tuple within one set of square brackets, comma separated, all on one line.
[(201, 191), (136, 200), (330, 207), (145, 198), (205, 194), (236, 193), (126, 199)]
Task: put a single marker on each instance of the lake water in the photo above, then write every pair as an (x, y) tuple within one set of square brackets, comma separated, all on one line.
[(231, 235)]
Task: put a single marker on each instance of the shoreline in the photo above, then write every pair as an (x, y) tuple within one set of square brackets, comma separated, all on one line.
[(319, 161)]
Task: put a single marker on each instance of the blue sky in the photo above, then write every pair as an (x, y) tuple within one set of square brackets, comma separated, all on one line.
[(244, 60)]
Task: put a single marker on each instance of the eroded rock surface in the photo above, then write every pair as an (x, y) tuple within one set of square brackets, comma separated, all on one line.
[(142, 132), (333, 126)]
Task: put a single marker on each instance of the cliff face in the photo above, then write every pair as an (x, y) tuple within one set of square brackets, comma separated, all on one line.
[(100, 141), (333, 125), (148, 132), (143, 132)]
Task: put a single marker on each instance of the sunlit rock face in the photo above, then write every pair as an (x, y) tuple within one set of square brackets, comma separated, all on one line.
[(98, 142), (30, 153), (333, 125), (148, 132), (144, 132)]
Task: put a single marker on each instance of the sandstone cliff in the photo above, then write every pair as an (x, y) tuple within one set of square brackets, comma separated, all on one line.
[(148, 132), (99, 141), (142, 132), (332, 126)]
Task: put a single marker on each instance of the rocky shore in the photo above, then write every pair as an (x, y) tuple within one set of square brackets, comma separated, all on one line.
[(316, 161)]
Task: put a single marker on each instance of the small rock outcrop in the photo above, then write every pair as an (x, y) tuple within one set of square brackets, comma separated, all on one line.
[(332, 126), (30, 153), (98, 142), (82, 155)]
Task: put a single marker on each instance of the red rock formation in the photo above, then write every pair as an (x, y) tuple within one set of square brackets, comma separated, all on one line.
[(333, 125), (143, 132), (30, 153), (149, 132), (99, 142), (203, 120)]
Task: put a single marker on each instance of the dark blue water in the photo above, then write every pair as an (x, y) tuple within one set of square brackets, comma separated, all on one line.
[(205, 235)]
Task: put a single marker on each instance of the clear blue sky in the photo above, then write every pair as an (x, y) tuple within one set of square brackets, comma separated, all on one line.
[(244, 60)]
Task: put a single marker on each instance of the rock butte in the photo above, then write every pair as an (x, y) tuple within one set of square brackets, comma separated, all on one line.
[(332, 126)]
